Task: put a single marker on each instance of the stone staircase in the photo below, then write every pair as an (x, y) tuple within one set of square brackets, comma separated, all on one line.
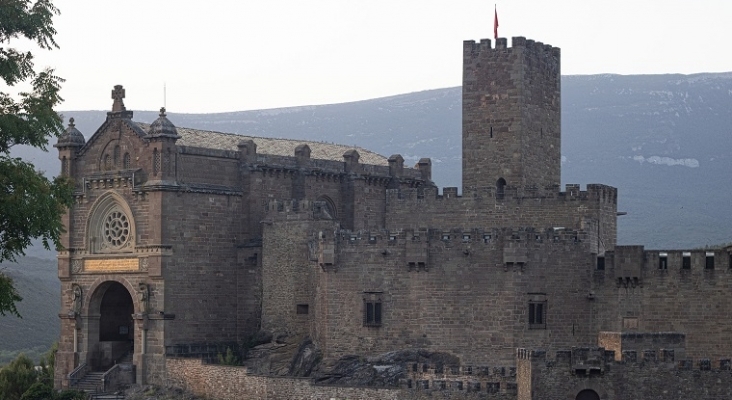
[(90, 383), (107, 396)]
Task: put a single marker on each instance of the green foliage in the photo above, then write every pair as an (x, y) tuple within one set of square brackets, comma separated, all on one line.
[(8, 296), (31, 205), (21, 380), (229, 359), (17, 378), (45, 375), (39, 391), (70, 395)]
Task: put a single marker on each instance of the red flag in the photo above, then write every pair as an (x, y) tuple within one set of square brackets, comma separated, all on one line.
[(495, 24)]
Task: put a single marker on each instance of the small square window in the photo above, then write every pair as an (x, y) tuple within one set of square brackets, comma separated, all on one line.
[(537, 315), (663, 261), (372, 313), (486, 238), (709, 261), (445, 237), (303, 309), (686, 261)]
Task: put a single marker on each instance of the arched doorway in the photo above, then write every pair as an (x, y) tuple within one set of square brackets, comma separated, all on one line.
[(587, 394), (111, 328)]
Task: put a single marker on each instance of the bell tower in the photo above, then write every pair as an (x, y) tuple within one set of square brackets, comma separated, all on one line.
[(511, 117)]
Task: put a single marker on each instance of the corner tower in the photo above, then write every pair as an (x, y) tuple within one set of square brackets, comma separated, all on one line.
[(511, 117)]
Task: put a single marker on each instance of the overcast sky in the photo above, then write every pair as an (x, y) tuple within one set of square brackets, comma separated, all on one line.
[(220, 55)]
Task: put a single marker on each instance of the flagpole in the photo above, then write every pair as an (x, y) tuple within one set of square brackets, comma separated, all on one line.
[(495, 21)]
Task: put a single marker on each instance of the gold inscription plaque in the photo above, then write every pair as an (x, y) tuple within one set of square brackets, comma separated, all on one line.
[(112, 265)]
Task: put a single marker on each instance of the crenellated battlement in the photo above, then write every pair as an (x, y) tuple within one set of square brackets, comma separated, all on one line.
[(588, 360), (483, 48), (440, 377), (450, 238)]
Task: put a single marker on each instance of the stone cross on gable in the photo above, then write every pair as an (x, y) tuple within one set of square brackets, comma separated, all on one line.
[(117, 95)]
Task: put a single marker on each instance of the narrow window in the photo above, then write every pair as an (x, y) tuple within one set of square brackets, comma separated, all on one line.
[(486, 238), (663, 261), (601, 263), (500, 188), (303, 309), (709, 264), (116, 156), (65, 166), (537, 316), (156, 162), (686, 260), (126, 161), (372, 313)]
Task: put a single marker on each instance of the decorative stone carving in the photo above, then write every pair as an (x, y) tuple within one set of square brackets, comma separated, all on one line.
[(76, 299)]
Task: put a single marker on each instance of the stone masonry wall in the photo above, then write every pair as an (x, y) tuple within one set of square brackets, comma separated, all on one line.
[(638, 376), (511, 115), (674, 299), (234, 383), (469, 299), (203, 274), (573, 209)]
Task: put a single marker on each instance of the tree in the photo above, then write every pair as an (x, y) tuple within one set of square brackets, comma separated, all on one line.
[(16, 378), (31, 205)]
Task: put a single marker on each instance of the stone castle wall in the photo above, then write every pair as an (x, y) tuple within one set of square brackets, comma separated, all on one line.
[(639, 375), (234, 383), (593, 210), (635, 294)]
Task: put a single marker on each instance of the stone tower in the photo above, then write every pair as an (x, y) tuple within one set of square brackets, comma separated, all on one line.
[(511, 117)]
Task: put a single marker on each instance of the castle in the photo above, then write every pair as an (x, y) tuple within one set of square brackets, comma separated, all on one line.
[(182, 240)]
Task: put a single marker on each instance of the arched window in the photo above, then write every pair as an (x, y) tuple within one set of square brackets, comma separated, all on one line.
[(65, 166), (107, 162), (326, 208), (111, 228), (500, 188), (126, 161), (116, 156)]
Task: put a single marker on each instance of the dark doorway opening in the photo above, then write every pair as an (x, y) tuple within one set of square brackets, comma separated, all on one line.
[(587, 394), (115, 332)]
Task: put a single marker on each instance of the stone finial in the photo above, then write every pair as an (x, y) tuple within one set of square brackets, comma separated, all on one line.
[(162, 112), (117, 95)]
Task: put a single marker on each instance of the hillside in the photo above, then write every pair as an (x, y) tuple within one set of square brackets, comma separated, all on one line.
[(38, 285)]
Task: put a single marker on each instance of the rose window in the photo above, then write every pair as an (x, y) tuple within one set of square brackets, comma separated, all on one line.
[(116, 229)]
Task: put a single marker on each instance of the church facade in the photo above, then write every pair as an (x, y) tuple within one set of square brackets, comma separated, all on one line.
[(182, 239)]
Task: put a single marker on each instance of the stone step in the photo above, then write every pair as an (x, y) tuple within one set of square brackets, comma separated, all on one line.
[(107, 396)]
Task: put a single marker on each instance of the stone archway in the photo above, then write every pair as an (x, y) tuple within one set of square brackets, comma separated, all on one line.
[(111, 327), (587, 394)]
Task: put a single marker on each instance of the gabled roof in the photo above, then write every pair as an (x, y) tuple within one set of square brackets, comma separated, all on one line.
[(279, 147)]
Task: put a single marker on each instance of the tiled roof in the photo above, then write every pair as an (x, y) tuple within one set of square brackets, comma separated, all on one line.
[(279, 147)]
